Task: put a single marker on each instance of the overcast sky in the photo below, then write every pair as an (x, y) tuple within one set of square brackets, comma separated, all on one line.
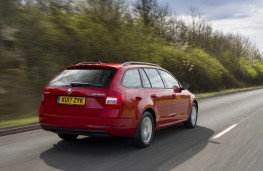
[(236, 16)]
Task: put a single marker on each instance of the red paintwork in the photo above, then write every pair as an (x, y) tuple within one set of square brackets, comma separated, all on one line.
[(169, 106)]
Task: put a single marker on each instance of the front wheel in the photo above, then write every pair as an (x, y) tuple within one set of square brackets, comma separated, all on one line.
[(145, 130), (68, 137), (191, 122)]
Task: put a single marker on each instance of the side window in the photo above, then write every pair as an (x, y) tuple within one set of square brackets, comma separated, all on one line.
[(155, 78), (146, 82), (169, 79), (132, 79)]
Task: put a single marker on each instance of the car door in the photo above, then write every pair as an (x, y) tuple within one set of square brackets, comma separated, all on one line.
[(181, 100), (134, 93), (161, 97)]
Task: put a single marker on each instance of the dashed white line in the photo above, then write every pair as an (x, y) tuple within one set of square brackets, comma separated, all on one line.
[(223, 132)]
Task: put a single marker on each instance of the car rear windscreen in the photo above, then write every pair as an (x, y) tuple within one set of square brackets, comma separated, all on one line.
[(84, 78)]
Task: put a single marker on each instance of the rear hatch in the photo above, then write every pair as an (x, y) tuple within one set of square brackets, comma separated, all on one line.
[(78, 92)]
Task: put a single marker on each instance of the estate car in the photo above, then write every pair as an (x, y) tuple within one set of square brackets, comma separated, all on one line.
[(133, 99)]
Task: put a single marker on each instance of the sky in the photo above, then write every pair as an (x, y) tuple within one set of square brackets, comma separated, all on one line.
[(236, 16)]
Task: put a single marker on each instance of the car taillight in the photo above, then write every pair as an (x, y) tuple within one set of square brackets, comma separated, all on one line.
[(114, 101)]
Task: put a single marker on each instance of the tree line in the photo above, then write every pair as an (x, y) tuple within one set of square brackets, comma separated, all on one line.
[(38, 38)]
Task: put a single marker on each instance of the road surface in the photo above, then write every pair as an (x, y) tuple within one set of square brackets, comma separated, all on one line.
[(229, 136)]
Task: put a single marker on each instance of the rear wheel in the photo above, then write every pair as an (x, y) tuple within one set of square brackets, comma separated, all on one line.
[(191, 122), (68, 137), (145, 130)]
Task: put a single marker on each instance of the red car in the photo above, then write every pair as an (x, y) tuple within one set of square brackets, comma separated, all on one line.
[(132, 99)]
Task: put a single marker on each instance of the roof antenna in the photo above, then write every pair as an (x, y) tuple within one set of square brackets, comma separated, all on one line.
[(99, 62)]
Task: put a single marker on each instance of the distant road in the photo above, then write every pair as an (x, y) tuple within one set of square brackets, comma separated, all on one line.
[(229, 137)]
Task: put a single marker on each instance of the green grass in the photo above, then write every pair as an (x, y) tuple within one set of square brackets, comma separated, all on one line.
[(18, 122), (224, 92), (34, 119)]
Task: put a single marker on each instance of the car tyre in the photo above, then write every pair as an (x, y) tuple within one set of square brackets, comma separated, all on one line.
[(192, 120), (145, 131), (68, 137)]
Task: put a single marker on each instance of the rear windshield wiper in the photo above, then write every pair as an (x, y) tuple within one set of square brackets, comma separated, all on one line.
[(79, 84)]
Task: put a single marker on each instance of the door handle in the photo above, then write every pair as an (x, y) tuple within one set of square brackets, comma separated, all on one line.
[(174, 95), (153, 95)]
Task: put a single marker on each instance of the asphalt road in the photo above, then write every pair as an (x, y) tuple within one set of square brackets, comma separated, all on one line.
[(175, 148)]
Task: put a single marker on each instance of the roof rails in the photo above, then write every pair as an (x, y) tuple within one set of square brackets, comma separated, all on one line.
[(138, 63), (89, 63)]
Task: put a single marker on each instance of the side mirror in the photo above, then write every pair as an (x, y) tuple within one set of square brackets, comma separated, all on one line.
[(177, 89), (186, 86)]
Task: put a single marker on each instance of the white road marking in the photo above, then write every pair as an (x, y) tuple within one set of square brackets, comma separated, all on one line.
[(225, 131)]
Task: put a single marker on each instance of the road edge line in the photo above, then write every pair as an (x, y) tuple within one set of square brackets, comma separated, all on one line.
[(20, 129)]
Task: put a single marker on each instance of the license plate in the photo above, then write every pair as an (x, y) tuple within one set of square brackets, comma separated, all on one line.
[(71, 100)]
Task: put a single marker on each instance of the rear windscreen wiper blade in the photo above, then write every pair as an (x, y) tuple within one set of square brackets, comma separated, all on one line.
[(79, 84)]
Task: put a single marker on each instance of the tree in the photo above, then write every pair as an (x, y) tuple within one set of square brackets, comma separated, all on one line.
[(151, 12), (109, 12)]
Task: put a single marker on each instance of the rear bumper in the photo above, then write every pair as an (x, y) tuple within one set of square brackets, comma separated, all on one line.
[(102, 126)]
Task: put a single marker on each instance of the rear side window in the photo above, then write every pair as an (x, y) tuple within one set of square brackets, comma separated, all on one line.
[(155, 78), (132, 79), (170, 81), (84, 77)]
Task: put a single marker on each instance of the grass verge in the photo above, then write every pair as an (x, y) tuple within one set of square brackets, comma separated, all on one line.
[(225, 92), (18, 122), (34, 119)]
